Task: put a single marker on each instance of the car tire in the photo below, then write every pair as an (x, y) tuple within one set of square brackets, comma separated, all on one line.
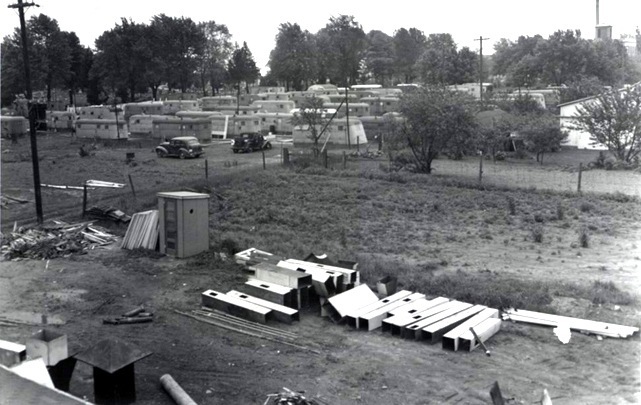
[(235, 150), (182, 155), (160, 153), (268, 146)]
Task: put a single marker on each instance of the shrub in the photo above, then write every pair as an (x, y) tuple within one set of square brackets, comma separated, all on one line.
[(607, 293), (229, 246), (586, 206), (560, 211), (537, 234), (584, 237)]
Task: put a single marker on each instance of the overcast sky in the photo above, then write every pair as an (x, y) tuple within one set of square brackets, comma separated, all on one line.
[(256, 22)]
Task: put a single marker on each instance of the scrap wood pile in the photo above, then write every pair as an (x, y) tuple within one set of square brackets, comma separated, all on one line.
[(54, 240), (289, 397)]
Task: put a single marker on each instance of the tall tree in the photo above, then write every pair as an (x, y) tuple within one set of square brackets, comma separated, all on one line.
[(437, 64), (466, 67), (182, 44), (242, 67), (217, 50), (436, 120), (81, 59), (379, 57), (614, 119), (310, 117), (293, 60), (344, 44), (408, 47)]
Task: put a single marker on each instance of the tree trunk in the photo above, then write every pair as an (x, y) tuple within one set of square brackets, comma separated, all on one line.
[(71, 103), (154, 92)]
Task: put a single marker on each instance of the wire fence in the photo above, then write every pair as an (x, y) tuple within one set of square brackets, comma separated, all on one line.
[(544, 178)]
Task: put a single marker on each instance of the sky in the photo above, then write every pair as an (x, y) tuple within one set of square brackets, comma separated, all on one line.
[(256, 22)]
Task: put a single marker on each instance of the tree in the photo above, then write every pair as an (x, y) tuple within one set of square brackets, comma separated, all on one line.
[(581, 87), (408, 47), (216, 52), (379, 57), (436, 120), (242, 68), (494, 128), (293, 60), (438, 62), (614, 119), (181, 45), (81, 59), (466, 66), (311, 116), (342, 45), (541, 134)]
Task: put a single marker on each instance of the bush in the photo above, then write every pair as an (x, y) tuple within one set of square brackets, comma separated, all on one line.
[(500, 156), (607, 293), (584, 237), (537, 234)]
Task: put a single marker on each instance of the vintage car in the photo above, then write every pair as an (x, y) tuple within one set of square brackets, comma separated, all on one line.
[(249, 142), (182, 147)]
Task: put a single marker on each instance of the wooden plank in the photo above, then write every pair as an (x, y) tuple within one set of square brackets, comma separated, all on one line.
[(394, 324), (280, 312), (451, 338), (597, 328), (413, 330), (357, 297), (374, 319), (434, 332), (235, 306), (352, 317), (485, 330)]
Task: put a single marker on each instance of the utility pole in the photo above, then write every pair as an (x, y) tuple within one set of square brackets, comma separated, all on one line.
[(349, 142), (481, 39), (32, 112)]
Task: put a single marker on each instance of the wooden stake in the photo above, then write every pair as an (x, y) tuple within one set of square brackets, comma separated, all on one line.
[(207, 170), (578, 188), (481, 168), (84, 199), (264, 166), (478, 339), (344, 160), (131, 183)]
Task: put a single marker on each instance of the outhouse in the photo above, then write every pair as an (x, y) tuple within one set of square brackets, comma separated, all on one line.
[(184, 223)]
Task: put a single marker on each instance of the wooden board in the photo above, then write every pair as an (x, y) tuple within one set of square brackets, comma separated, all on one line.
[(485, 330)]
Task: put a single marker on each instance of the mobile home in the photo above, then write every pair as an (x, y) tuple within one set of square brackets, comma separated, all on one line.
[(208, 103), (275, 106), (172, 127), (145, 107), (101, 128), (61, 120), (335, 134), (243, 124), (381, 105), (355, 109), (141, 126), (173, 106), (14, 126), (276, 123)]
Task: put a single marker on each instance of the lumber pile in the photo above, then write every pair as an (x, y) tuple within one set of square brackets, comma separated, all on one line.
[(53, 240), (108, 213), (142, 231)]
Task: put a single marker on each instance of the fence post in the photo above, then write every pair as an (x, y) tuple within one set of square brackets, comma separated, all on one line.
[(325, 158), (358, 144), (344, 160), (481, 167), (84, 199), (264, 166), (206, 171), (131, 183), (578, 187), (285, 156)]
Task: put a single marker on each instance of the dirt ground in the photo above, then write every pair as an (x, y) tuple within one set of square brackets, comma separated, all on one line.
[(216, 366)]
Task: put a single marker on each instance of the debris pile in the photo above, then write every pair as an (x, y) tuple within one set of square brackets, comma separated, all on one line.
[(54, 240), (289, 397)]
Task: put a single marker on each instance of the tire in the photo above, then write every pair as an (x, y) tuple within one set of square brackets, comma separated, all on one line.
[(268, 146), (160, 153), (182, 155), (235, 150)]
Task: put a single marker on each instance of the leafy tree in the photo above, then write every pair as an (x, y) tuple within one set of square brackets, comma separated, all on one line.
[(541, 134), (379, 57), (438, 62), (614, 119), (293, 60), (583, 86), (508, 53), (181, 44), (311, 117), (466, 67), (122, 58), (217, 50), (408, 47), (242, 68), (436, 120), (494, 128), (81, 59), (342, 44)]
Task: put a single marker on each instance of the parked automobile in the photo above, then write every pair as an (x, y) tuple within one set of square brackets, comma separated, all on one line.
[(249, 142), (182, 147)]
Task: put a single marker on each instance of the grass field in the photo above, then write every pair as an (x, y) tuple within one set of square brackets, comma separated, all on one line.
[(499, 244)]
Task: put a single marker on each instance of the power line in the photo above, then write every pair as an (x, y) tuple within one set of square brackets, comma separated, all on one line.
[(32, 112)]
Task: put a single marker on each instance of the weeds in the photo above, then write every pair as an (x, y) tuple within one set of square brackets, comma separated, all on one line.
[(584, 237), (511, 206), (537, 234), (560, 211)]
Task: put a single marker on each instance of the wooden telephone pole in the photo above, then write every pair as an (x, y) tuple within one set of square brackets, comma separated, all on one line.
[(32, 112), (481, 39)]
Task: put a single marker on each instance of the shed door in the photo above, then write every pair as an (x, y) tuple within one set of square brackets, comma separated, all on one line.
[(171, 226)]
